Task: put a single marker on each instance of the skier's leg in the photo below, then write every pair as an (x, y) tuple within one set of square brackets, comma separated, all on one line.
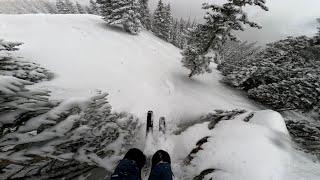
[(161, 166), (130, 166)]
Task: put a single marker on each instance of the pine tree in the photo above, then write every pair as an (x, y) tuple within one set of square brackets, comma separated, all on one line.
[(53, 139), (80, 8), (168, 20), (94, 7), (162, 21), (70, 6), (104, 7), (51, 8), (124, 12), (158, 20), (220, 23), (61, 7), (145, 14), (174, 33), (193, 57)]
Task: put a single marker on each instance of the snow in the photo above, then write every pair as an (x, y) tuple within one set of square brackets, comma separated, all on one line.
[(144, 73), (271, 119), (259, 149), (11, 85), (140, 72)]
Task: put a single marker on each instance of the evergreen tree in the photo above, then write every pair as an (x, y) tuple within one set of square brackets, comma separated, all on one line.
[(145, 14), (285, 75), (220, 23), (158, 20), (51, 8), (168, 20), (193, 57), (174, 33), (70, 6), (124, 12), (53, 139), (61, 7), (162, 21), (105, 7), (94, 7), (80, 9)]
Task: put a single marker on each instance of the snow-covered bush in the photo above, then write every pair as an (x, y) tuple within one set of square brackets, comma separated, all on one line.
[(285, 75), (234, 145), (295, 93), (124, 12), (46, 139), (306, 134), (11, 65), (68, 140), (234, 55)]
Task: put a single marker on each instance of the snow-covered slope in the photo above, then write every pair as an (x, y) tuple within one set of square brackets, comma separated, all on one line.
[(139, 72), (144, 73)]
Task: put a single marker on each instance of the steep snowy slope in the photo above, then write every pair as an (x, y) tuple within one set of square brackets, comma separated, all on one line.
[(144, 73), (139, 72)]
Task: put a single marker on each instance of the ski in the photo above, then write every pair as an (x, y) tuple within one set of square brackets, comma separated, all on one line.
[(162, 125), (149, 122)]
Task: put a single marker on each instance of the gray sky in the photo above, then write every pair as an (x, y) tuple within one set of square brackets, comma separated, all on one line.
[(284, 18)]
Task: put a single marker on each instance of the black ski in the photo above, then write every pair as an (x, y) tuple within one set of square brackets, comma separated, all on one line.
[(162, 125), (149, 122)]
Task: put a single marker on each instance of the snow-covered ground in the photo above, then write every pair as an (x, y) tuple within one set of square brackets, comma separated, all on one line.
[(140, 73), (144, 73)]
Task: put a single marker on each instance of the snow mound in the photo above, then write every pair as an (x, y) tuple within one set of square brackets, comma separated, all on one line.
[(271, 119), (140, 72), (237, 149)]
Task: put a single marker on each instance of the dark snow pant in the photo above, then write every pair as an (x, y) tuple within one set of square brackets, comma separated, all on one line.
[(128, 170), (161, 171)]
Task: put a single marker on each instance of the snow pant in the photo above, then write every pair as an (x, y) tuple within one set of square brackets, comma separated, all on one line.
[(161, 171)]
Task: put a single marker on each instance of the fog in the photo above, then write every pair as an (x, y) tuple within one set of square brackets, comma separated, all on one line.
[(284, 18)]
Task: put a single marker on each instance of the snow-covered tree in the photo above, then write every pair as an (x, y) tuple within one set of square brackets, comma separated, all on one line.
[(104, 7), (66, 140), (124, 12), (145, 14), (285, 75), (46, 139), (234, 55), (80, 9), (62, 7), (94, 7), (18, 67), (221, 21), (27, 6), (162, 21), (51, 8), (193, 54), (70, 6)]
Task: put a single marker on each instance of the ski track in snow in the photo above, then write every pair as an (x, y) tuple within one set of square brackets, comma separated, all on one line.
[(140, 73)]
